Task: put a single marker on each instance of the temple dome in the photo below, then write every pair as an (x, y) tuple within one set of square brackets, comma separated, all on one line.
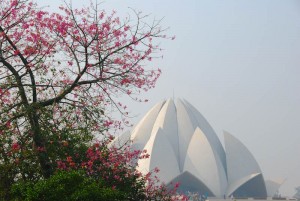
[(186, 149)]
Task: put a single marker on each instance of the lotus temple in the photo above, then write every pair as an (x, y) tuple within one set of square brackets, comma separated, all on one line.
[(186, 149)]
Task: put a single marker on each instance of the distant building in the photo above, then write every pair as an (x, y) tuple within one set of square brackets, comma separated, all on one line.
[(297, 195), (186, 149), (273, 187)]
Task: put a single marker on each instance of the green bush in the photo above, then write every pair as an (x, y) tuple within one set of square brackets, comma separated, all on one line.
[(66, 186)]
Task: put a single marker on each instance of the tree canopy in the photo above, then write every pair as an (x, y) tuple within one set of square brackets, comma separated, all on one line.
[(59, 71)]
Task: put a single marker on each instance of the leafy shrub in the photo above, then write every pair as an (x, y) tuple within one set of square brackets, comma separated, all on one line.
[(66, 186)]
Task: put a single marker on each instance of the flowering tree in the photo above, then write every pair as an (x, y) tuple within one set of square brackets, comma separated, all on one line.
[(104, 169), (58, 72)]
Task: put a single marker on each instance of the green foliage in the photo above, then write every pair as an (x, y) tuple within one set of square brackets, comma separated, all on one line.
[(66, 186), (5, 179), (23, 164)]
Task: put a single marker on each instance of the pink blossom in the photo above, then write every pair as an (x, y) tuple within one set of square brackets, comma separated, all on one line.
[(15, 146)]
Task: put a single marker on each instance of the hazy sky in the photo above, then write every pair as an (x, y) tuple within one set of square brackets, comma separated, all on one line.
[(238, 62)]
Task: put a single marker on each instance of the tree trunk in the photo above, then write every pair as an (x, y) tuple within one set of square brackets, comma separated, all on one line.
[(40, 144)]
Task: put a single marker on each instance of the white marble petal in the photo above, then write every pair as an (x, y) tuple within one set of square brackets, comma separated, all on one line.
[(241, 165), (201, 161), (162, 156), (142, 131), (167, 121)]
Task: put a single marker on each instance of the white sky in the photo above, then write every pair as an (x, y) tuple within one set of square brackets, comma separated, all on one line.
[(237, 62)]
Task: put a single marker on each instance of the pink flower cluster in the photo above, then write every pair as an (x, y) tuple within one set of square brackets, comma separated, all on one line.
[(116, 166)]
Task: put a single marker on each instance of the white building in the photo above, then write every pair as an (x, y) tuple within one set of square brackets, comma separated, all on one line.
[(186, 149), (297, 195), (273, 187)]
